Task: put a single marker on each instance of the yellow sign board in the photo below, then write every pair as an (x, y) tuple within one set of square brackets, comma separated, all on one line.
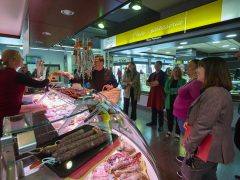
[(201, 16)]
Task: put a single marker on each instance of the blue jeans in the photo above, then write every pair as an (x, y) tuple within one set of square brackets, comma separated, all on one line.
[(180, 125)]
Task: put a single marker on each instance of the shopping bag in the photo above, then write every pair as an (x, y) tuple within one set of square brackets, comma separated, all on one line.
[(205, 146)]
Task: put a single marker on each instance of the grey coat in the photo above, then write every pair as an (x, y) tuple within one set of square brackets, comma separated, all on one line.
[(129, 77), (212, 113)]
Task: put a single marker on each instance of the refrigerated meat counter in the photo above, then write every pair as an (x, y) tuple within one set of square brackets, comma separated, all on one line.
[(86, 138)]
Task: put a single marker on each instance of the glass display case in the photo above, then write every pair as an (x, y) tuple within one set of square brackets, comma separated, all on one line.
[(236, 90), (94, 140)]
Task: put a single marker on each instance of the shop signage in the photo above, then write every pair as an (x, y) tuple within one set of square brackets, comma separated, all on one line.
[(201, 16), (121, 59), (109, 42)]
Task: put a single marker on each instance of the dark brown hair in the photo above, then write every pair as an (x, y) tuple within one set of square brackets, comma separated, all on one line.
[(178, 71), (134, 65), (100, 57), (216, 73)]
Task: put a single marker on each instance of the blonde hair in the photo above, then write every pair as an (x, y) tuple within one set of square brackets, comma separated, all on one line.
[(9, 55)]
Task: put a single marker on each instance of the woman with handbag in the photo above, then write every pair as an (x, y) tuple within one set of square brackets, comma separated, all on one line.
[(131, 86), (210, 116)]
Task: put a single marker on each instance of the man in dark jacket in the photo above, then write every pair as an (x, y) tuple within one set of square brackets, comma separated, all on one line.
[(156, 96), (102, 78)]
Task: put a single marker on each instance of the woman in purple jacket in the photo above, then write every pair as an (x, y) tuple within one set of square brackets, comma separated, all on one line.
[(186, 95)]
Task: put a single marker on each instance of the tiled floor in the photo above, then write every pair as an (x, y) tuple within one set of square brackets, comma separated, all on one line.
[(165, 150)]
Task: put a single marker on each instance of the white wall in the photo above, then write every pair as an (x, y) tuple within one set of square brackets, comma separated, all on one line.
[(50, 57)]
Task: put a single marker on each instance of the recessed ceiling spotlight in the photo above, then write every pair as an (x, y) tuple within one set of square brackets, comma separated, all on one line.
[(101, 25), (46, 33), (233, 48), (21, 47), (216, 42), (39, 42), (180, 47), (67, 12), (183, 43), (231, 35), (226, 45), (168, 52), (136, 5)]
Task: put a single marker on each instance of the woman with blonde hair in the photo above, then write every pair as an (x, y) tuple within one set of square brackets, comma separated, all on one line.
[(186, 95), (171, 90), (12, 84)]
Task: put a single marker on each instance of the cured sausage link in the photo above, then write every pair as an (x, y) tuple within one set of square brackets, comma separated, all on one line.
[(67, 147), (69, 154)]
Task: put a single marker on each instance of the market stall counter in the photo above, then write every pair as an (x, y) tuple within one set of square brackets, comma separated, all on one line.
[(87, 137)]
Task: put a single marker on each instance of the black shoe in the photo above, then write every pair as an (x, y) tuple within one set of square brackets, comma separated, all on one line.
[(160, 129), (179, 173), (151, 124), (177, 137), (179, 159), (237, 177)]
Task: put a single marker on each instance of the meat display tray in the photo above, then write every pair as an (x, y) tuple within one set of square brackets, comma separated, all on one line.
[(66, 168)]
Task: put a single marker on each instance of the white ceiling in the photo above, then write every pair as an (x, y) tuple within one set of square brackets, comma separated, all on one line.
[(11, 16), (205, 44), (208, 47)]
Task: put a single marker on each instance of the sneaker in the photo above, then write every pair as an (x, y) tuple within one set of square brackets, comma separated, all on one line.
[(168, 134), (179, 159), (151, 124), (179, 173)]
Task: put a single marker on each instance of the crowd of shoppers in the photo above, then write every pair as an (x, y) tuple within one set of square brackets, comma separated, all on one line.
[(202, 104)]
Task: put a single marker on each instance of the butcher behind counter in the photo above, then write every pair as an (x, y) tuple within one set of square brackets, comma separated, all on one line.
[(102, 78)]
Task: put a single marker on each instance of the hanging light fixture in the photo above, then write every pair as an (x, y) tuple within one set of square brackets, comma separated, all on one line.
[(136, 5), (101, 25)]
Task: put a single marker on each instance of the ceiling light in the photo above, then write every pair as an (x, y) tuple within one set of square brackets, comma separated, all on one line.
[(67, 12), (21, 47), (126, 6), (39, 42), (136, 5), (226, 45), (46, 33), (233, 48), (216, 42), (180, 47), (231, 35), (101, 25), (168, 52), (183, 43)]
